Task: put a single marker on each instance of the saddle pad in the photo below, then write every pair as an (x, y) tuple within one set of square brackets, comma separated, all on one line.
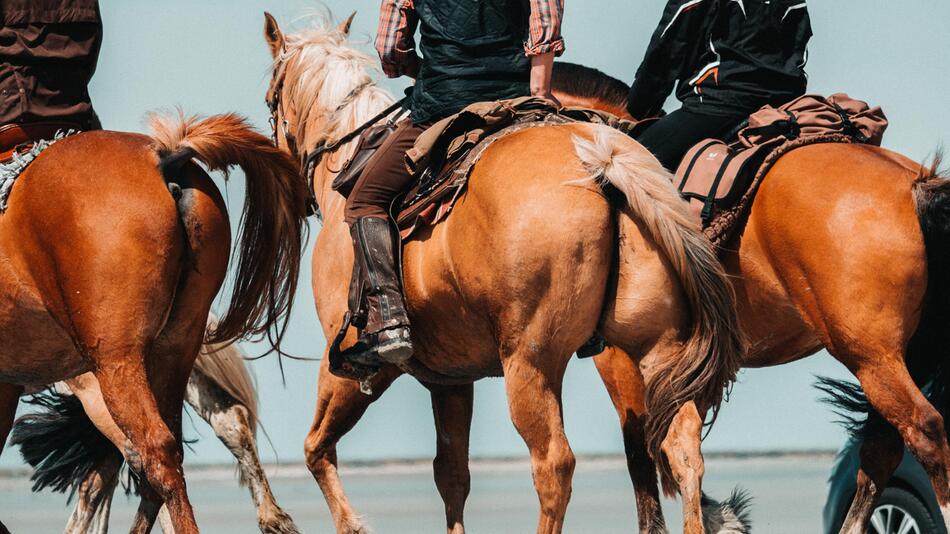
[(432, 198), (10, 169)]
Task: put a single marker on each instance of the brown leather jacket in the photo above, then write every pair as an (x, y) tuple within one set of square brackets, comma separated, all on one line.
[(48, 54)]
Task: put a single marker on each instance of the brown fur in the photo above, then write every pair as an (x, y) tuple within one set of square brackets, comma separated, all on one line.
[(709, 359), (117, 279), (845, 248), (502, 242)]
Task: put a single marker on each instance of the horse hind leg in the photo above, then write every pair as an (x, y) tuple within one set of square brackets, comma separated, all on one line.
[(340, 404), (534, 402), (893, 393), (881, 453), (95, 496), (452, 409), (230, 420), (9, 397), (624, 383)]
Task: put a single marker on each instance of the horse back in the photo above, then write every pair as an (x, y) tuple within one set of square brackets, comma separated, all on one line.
[(832, 238)]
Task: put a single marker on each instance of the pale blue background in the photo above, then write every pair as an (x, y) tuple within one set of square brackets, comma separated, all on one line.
[(209, 57)]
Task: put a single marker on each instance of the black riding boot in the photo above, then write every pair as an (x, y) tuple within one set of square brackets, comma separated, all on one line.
[(386, 333)]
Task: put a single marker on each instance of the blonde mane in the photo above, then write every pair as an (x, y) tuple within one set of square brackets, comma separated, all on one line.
[(321, 72)]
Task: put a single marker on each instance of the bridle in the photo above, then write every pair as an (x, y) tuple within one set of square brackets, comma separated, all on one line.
[(309, 160)]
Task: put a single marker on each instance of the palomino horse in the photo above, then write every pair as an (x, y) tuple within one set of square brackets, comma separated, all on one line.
[(113, 247), (56, 442), (846, 248), (531, 260)]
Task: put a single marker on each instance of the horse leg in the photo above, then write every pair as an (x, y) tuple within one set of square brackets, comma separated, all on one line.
[(9, 397), (452, 408), (534, 400), (893, 393), (881, 453), (682, 449), (95, 493), (88, 390), (128, 394), (624, 383), (340, 404), (230, 421)]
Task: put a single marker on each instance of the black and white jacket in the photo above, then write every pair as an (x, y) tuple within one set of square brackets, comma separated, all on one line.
[(727, 57)]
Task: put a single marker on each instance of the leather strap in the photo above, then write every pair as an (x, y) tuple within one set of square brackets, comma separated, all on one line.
[(710, 202)]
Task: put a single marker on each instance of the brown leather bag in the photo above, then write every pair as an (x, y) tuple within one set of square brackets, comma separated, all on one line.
[(714, 175), (369, 142)]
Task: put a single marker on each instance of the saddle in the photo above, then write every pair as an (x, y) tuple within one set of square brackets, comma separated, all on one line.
[(444, 155), (719, 179), (20, 138)]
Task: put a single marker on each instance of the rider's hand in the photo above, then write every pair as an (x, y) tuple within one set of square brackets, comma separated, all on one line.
[(540, 83)]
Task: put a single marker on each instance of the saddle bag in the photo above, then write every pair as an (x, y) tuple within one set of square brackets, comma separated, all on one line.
[(714, 175), (366, 146)]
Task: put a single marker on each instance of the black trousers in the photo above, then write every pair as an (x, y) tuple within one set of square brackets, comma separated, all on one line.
[(672, 136)]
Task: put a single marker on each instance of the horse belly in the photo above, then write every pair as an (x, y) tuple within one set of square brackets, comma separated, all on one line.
[(35, 349)]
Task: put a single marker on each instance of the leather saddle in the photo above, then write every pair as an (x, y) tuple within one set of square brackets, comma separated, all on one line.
[(18, 138)]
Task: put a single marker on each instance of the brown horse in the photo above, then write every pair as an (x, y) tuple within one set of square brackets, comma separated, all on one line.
[(532, 258), (113, 247), (71, 451), (846, 248)]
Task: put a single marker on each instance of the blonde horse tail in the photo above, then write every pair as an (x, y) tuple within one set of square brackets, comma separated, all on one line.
[(272, 227), (223, 364), (712, 354)]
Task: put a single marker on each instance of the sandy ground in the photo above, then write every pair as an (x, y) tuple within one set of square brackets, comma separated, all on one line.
[(395, 499)]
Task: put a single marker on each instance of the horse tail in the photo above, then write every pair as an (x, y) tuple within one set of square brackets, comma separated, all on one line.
[(59, 442), (712, 354), (223, 364), (272, 227), (925, 351), (931, 193)]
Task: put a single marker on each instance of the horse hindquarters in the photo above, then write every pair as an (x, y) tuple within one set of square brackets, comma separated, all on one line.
[(860, 281)]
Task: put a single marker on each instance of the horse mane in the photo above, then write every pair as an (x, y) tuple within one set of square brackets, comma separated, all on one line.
[(588, 82), (320, 71)]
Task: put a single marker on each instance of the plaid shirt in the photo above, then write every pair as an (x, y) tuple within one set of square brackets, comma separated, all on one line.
[(398, 21)]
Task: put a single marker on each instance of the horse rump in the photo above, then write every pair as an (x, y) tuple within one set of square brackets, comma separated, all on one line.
[(59, 442), (273, 226), (925, 351)]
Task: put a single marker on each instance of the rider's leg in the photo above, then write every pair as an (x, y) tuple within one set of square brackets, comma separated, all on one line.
[(672, 136), (386, 332)]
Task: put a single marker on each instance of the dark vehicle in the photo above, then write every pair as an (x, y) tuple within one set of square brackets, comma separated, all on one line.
[(908, 505)]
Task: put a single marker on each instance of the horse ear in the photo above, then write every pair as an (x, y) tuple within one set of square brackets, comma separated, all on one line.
[(273, 35), (344, 26)]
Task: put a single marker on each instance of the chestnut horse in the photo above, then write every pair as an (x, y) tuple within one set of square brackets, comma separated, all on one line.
[(847, 248), (71, 451), (531, 260), (113, 247)]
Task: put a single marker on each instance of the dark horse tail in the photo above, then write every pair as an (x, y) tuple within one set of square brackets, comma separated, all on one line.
[(272, 228), (925, 352), (59, 442)]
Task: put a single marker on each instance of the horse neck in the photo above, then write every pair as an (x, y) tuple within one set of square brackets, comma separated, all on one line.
[(371, 101)]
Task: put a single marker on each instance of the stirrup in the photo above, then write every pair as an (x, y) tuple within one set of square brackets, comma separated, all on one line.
[(394, 345)]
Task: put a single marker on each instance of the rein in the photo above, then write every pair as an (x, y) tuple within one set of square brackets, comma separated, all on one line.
[(310, 160)]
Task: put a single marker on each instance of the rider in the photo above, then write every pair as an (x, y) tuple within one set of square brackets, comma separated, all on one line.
[(728, 58), (48, 53), (471, 51)]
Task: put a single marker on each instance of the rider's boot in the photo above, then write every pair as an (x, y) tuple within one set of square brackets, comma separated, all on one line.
[(386, 334)]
